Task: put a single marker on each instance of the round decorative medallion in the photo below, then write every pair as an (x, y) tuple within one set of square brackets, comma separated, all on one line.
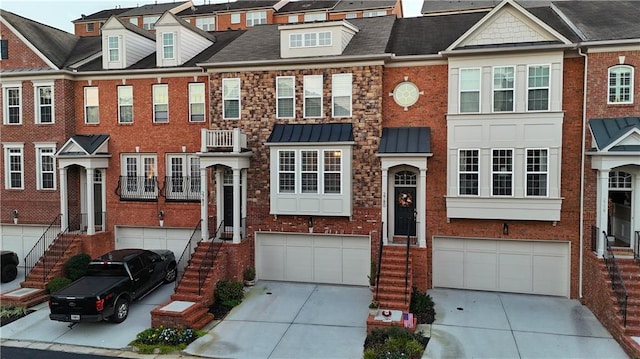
[(406, 94), (405, 199)]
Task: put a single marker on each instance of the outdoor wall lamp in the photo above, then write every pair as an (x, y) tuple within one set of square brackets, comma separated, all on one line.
[(505, 228), (161, 218), (310, 224), (14, 214)]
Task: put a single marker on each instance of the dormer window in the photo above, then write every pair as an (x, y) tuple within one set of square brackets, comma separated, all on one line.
[(90, 27), (168, 45), (310, 39), (114, 48), (148, 22)]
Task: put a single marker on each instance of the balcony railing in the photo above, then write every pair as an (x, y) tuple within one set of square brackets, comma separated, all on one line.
[(223, 140), (182, 188), (138, 188)]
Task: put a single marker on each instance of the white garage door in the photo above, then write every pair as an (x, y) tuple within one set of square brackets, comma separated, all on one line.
[(535, 267), (174, 239), (313, 258), (21, 239)]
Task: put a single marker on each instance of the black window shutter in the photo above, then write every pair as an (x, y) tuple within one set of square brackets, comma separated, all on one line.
[(4, 49)]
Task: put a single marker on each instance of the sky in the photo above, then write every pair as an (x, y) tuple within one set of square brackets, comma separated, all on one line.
[(60, 13)]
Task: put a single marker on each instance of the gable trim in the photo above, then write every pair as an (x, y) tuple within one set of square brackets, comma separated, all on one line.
[(622, 138), (29, 44)]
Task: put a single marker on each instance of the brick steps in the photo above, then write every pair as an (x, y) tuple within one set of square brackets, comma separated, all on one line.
[(630, 273), (29, 300), (391, 288), (194, 317)]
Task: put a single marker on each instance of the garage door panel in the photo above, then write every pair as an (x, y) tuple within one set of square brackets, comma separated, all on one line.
[(450, 269), (552, 249), (299, 263), (298, 241), (515, 247), (357, 243), (515, 273), (548, 276), (480, 271), (328, 242), (481, 246), (271, 264), (449, 243), (327, 265), (355, 266)]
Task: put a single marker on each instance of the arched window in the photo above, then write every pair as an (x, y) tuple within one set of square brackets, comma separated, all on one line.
[(406, 178), (619, 180), (620, 84)]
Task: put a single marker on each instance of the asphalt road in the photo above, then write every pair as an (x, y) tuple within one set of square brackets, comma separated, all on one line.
[(24, 353)]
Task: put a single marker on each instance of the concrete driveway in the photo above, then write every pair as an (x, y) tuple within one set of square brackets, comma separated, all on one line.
[(291, 320), (471, 324), (38, 327)]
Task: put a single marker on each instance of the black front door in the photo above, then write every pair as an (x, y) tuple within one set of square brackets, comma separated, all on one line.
[(405, 206), (228, 208), (97, 203)]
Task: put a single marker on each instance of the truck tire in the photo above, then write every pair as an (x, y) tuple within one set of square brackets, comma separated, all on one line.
[(171, 275), (121, 311), (9, 273)]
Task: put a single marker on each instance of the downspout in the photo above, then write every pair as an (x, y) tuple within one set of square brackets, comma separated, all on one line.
[(582, 163)]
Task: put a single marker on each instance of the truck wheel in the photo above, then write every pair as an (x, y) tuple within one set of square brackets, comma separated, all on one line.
[(9, 273), (171, 275), (121, 312)]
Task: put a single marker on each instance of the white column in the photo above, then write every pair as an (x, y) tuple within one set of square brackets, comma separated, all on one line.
[(422, 209), (103, 188), (243, 208), (603, 206), (385, 200), (64, 209), (91, 227), (219, 196), (204, 190), (635, 209), (236, 205)]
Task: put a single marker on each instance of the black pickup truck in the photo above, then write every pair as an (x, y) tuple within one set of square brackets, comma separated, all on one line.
[(112, 282)]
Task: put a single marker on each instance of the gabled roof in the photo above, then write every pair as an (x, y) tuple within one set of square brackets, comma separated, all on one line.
[(602, 20), (227, 6), (83, 145), (610, 133), (133, 28), (456, 6), (102, 14), (316, 132), (152, 9), (405, 140), (264, 42), (188, 25), (54, 44), (308, 5), (353, 5)]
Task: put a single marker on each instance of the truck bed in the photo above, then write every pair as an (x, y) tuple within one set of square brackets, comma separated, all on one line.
[(89, 286)]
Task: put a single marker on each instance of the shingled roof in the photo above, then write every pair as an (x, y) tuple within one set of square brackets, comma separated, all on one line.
[(102, 14), (307, 5), (353, 5), (606, 131), (620, 20)]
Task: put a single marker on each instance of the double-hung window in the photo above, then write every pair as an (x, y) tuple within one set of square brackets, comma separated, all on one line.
[(91, 105), (183, 180), (295, 40), (374, 13), (12, 105), (313, 96), (316, 16), (470, 90), (113, 44), (538, 88), (231, 98), (235, 18), (620, 84), (46, 178), (309, 171), (537, 172), (341, 93), (332, 162), (502, 172), (44, 103), (125, 104), (196, 102), (503, 88), (168, 45), (206, 23), (468, 172), (285, 93), (160, 103), (14, 166), (139, 177), (286, 171), (90, 26), (256, 18)]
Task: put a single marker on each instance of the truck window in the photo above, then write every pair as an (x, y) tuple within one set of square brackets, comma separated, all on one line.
[(107, 270)]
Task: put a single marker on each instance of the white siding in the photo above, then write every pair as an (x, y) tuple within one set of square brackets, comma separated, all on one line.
[(341, 34), (136, 48), (187, 44)]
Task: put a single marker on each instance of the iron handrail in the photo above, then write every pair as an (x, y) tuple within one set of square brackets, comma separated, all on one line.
[(636, 255), (187, 252), (38, 249), (209, 258), (379, 266), (406, 270), (617, 283)]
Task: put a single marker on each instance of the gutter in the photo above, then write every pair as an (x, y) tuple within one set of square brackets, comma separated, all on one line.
[(582, 172), (154, 70), (297, 60), (506, 49), (609, 42)]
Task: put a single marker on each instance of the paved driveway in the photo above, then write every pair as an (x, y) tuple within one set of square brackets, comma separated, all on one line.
[(471, 324), (291, 320)]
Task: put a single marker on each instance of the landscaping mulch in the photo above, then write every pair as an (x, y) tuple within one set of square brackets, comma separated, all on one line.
[(219, 311)]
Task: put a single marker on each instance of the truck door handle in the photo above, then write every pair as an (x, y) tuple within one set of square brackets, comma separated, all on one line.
[(137, 280)]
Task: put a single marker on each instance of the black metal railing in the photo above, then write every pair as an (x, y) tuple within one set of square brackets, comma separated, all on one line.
[(594, 238), (406, 271), (209, 259), (636, 248), (617, 283), (182, 188), (183, 262), (381, 246), (138, 188)]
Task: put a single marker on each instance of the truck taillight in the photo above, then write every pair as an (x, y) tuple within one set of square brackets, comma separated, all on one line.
[(100, 305)]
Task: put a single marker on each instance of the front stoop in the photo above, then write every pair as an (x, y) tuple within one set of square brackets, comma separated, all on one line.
[(60, 249), (396, 320), (391, 288), (181, 315), (24, 297)]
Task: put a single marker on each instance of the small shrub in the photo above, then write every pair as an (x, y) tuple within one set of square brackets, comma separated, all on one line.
[(57, 283), (77, 266), (422, 307), (249, 274), (394, 342), (372, 274), (8, 312), (229, 293), (167, 340)]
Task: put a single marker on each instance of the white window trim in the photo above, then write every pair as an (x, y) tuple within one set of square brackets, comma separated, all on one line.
[(323, 172), (154, 103), (374, 13), (470, 172), (140, 169), (317, 39), (120, 105), (631, 99), (37, 105), (494, 89), (172, 46), (207, 23), (5, 103), (118, 49), (39, 146), (548, 87), (293, 97), (250, 16), (309, 17), (503, 172), (86, 28), (321, 77), (204, 99), (279, 172), (85, 105), (239, 98), (320, 171), (333, 94), (526, 173), (186, 173), (303, 172), (479, 90), (293, 19), (7, 170), (235, 21)]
